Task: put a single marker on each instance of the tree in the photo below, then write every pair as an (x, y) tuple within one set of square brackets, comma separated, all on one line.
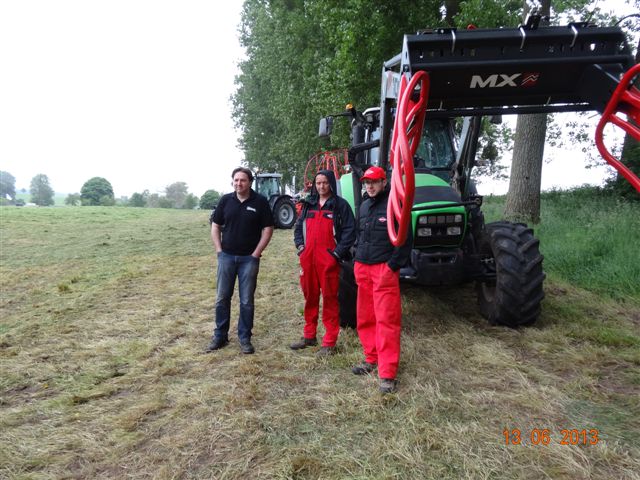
[(107, 201), (72, 199), (523, 197), (190, 202), (209, 200), (176, 194), (340, 46), (41, 191), (164, 202), (97, 191), (153, 200), (7, 186), (138, 199)]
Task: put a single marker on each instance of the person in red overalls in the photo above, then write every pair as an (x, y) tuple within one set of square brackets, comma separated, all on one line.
[(323, 235), (376, 269)]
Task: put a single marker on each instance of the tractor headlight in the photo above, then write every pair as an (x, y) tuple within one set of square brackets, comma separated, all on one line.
[(439, 229)]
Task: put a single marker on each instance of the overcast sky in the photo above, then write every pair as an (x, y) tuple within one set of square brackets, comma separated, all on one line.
[(134, 91)]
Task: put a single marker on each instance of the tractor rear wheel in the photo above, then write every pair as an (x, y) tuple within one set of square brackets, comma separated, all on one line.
[(284, 213), (513, 299)]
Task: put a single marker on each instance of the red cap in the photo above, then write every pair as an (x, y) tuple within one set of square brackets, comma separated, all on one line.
[(374, 173)]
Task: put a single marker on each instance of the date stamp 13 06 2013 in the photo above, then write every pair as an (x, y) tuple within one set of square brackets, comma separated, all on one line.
[(546, 436)]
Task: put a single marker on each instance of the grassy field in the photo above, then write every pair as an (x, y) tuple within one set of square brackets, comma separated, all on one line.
[(105, 312)]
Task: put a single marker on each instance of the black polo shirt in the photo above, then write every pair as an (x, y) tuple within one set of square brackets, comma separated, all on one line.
[(242, 221)]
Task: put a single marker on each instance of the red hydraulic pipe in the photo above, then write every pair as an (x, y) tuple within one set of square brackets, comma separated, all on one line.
[(625, 99), (404, 143)]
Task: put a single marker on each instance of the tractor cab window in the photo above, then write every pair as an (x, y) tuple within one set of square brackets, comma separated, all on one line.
[(435, 151), (267, 186), (374, 153)]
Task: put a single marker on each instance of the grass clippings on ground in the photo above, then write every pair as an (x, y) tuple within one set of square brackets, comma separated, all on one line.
[(105, 313)]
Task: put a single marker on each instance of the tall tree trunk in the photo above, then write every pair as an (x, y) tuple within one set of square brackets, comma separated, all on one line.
[(452, 7), (523, 197)]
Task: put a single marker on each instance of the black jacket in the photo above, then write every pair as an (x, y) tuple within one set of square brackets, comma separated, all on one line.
[(344, 224), (372, 243)]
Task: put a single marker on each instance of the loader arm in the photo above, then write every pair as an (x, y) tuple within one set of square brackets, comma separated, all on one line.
[(578, 67)]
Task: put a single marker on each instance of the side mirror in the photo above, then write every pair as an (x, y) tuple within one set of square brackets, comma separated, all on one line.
[(495, 119), (326, 126)]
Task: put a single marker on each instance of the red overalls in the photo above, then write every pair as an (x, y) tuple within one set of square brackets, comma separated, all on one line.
[(379, 316), (320, 272)]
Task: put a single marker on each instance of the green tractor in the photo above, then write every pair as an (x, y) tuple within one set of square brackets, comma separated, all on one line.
[(471, 74), (269, 185)]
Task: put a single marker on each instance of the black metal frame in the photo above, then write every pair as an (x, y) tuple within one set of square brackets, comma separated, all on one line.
[(517, 70)]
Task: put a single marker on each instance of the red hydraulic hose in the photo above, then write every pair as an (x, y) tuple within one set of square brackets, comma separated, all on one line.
[(627, 100), (404, 143)]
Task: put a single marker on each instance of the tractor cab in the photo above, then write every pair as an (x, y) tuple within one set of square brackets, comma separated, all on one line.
[(436, 152), (268, 184)]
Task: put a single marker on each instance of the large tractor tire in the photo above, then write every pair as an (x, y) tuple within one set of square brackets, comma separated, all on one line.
[(347, 296), (513, 299), (284, 213)]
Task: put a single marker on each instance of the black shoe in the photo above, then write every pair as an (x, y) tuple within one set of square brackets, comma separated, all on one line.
[(216, 344), (303, 343), (388, 385), (326, 351), (247, 348), (363, 368)]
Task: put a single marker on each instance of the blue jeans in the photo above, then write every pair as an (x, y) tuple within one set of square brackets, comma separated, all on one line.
[(245, 267)]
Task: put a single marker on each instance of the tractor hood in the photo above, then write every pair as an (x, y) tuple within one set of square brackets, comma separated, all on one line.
[(430, 188)]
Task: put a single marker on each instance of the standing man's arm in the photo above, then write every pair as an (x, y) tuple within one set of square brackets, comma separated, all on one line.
[(265, 237), (216, 237)]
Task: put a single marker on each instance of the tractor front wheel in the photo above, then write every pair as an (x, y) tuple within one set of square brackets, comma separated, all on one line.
[(513, 298), (284, 213)]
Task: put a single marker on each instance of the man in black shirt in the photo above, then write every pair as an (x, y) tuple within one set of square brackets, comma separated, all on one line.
[(241, 228)]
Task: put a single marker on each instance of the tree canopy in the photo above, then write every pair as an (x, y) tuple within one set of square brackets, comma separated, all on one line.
[(41, 191), (209, 200), (176, 194), (139, 199), (97, 191), (72, 199), (307, 59), (7, 185)]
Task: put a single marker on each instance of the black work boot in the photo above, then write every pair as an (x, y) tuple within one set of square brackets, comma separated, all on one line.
[(303, 343), (363, 368), (247, 348), (388, 385), (216, 344), (326, 351)]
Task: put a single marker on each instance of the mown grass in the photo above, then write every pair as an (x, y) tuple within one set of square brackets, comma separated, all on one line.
[(105, 312)]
